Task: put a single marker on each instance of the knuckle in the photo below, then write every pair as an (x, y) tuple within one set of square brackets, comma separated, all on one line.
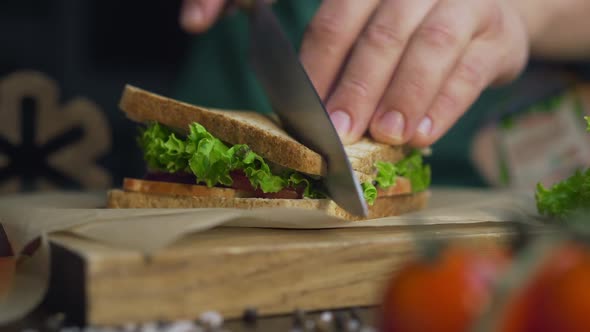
[(383, 36), (414, 89), (471, 72), (324, 28), (439, 36), (355, 87), (496, 22), (446, 104), (324, 35)]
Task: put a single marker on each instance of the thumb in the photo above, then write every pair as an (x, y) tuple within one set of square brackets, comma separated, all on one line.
[(198, 15)]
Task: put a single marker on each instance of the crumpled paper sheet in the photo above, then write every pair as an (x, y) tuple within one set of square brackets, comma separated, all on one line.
[(27, 217)]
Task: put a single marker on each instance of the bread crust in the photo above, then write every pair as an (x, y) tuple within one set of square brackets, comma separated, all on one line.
[(383, 207), (366, 152), (180, 189)]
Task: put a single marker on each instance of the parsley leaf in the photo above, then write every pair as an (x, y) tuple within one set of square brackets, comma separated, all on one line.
[(567, 197)]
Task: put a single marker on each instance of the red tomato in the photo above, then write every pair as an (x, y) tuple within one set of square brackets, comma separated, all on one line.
[(241, 182), (566, 305), (557, 297), (445, 294)]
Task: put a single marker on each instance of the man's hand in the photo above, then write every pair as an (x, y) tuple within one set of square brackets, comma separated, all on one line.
[(406, 70)]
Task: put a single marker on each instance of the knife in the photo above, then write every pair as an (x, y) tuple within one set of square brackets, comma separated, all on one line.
[(297, 104)]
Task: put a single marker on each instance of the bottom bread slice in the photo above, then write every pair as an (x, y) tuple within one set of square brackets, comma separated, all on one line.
[(383, 206)]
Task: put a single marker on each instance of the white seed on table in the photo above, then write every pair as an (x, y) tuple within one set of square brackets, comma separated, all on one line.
[(327, 316), (181, 326), (211, 319), (353, 325), (129, 327), (149, 327)]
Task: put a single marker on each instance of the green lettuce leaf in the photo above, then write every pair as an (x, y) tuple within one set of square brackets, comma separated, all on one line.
[(369, 192), (412, 167), (386, 174), (212, 161), (567, 197), (311, 188), (162, 149), (257, 170)]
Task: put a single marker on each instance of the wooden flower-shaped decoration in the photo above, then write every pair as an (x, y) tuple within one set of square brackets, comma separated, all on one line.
[(45, 145)]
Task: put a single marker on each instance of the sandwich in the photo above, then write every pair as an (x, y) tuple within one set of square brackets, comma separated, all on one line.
[(199, 157)]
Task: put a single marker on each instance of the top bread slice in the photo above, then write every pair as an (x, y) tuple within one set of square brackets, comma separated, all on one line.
[(263, 135)]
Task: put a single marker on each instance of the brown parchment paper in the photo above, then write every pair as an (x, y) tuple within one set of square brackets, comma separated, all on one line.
[(27, 217)]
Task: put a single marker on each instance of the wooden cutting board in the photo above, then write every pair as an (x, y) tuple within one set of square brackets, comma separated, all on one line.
[(230, 269)]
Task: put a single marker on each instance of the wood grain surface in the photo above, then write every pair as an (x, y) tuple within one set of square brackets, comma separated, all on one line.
[(229, 269)]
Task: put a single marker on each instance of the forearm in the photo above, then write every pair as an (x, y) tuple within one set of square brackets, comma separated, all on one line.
[(558, 29)]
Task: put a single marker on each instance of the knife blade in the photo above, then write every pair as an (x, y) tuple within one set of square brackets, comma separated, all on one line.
[(297, 104)]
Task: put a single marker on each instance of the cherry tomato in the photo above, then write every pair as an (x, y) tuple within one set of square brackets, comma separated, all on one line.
[(557, 296), (446, 293), (566, 305)]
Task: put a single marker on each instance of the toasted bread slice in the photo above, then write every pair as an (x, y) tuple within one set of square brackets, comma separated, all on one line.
[(180, 189), (383, 207), (261, 133), (235, 127), (364, 153)]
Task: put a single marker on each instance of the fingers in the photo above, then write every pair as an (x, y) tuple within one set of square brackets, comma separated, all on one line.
[(371, 65), (432, 53), (329, 37), (494, 57), (198, 15), (470, 76)]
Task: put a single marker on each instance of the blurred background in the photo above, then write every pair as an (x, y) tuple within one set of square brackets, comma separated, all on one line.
[(88, 49), (64, 64)]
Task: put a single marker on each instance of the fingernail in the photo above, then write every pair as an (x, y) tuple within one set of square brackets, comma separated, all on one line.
[(425, 126), (341, 121), (391, 125), (192, 14)]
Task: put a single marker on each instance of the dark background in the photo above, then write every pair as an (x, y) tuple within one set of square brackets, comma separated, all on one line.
[(93, 48)]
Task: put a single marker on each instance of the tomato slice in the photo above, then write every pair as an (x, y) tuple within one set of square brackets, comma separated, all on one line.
[(241, 182)]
